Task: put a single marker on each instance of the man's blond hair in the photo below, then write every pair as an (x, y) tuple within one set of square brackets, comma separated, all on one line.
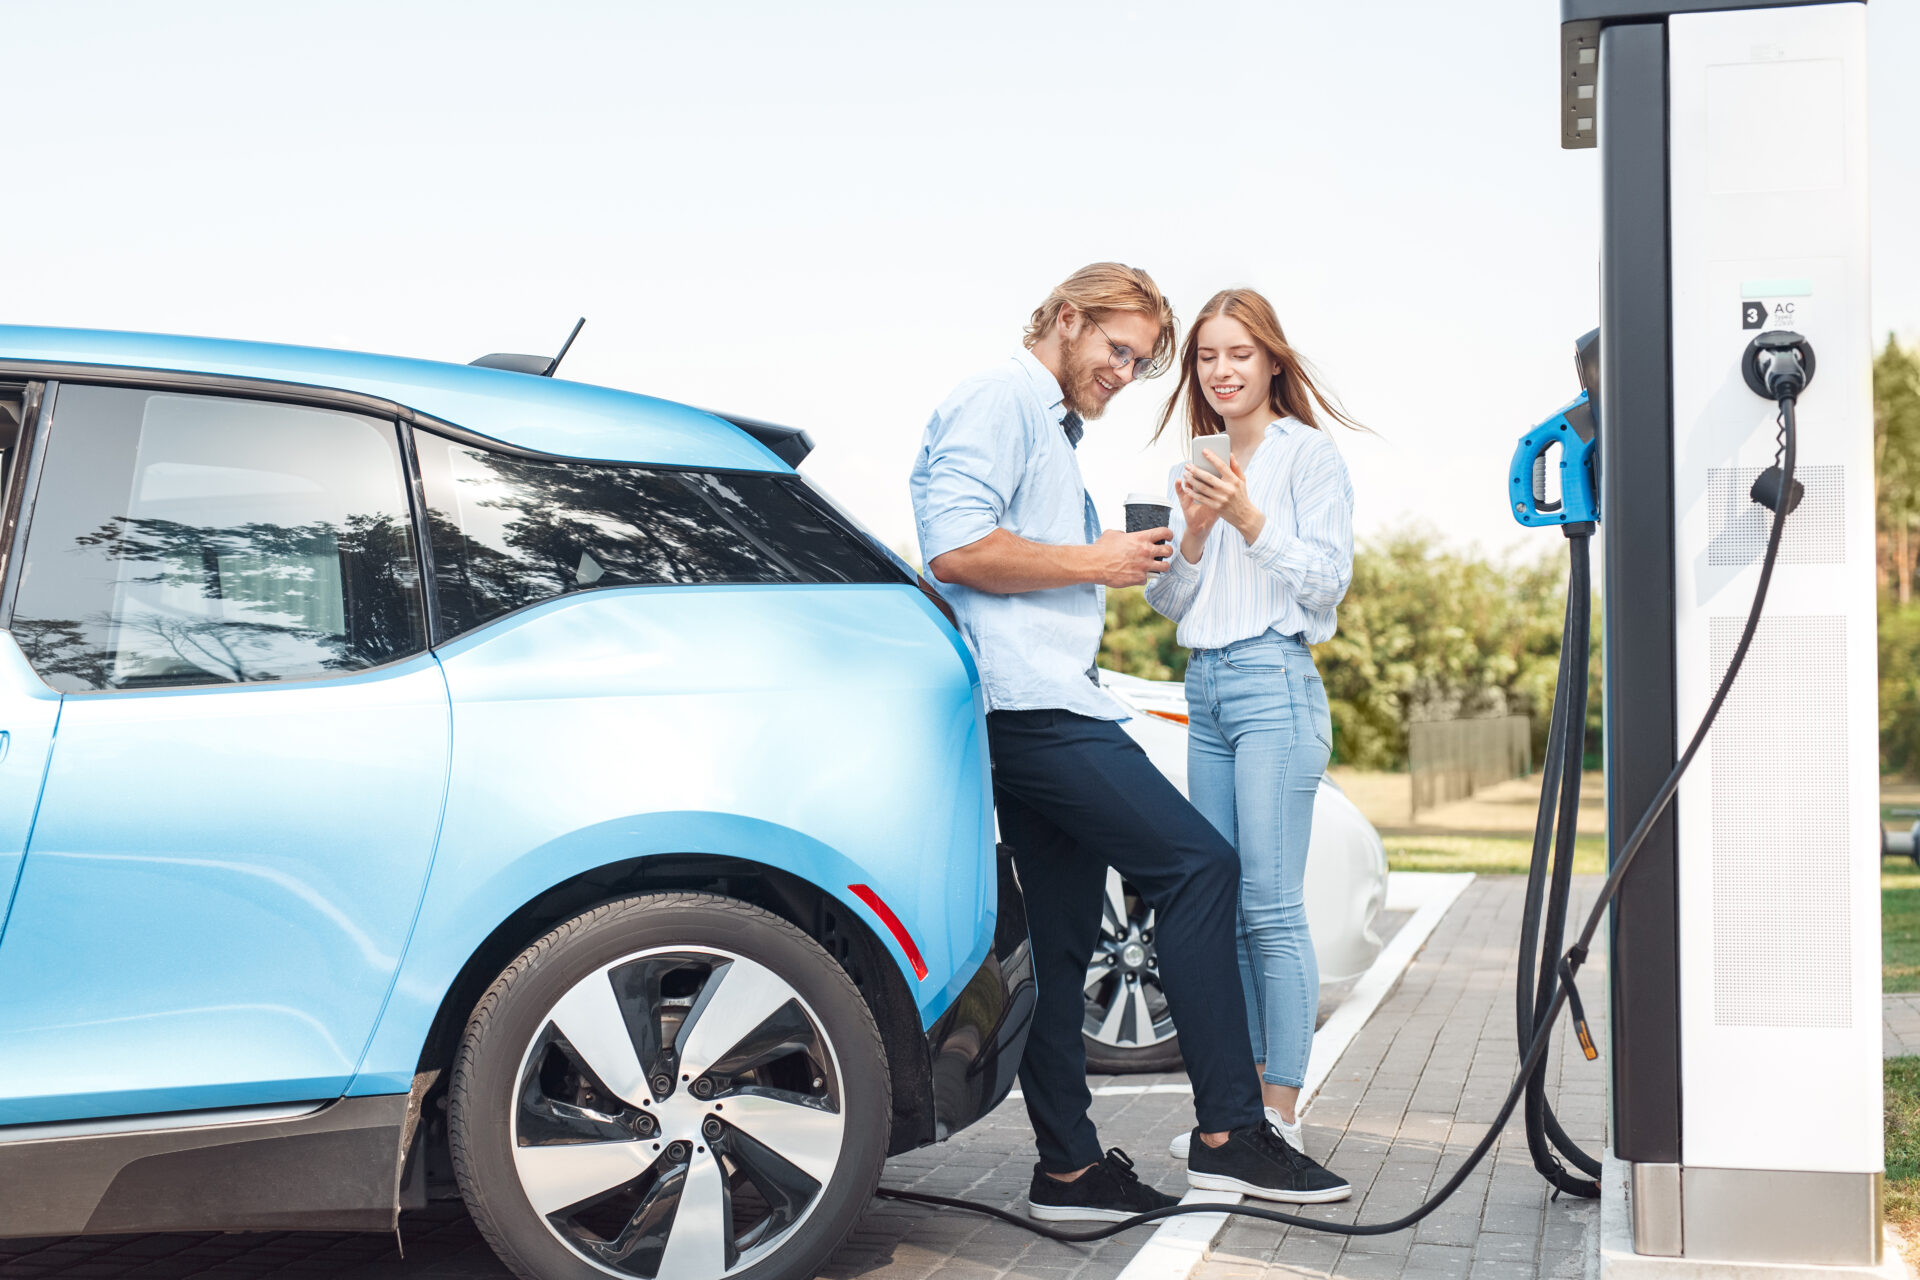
[(1098, 290)]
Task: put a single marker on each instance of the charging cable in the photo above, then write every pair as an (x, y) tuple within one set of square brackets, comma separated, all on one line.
[(1550, 888), (1783, 369)]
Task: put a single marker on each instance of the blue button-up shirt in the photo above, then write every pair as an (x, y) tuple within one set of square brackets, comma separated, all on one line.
[(999, 454)]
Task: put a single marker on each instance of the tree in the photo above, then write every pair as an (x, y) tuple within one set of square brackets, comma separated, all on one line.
[(1138, 641), (1896, 458), (1430, 633)]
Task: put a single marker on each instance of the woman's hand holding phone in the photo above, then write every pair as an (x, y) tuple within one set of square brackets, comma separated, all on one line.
[(1224, 496), (1199, 520)]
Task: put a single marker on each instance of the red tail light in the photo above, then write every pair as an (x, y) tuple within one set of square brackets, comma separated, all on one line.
[(893, 924)]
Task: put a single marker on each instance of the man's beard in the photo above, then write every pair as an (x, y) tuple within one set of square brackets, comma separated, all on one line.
[(1079, 391)]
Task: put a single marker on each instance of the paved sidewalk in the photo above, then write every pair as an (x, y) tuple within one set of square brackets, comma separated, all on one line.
[(1408, 1098), (1411, 1097), (1900, 1024)]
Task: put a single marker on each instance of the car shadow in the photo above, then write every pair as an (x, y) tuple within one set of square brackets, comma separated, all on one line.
[(439, 1241)]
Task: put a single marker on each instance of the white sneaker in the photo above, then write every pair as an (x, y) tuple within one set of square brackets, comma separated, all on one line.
[(1291, 1132)]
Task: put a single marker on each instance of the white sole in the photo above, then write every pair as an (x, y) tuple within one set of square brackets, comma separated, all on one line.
[(1179, 1148), (1068, 1213), (1221, 1182)]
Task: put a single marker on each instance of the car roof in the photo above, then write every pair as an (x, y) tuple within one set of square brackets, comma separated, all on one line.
[(545, 415)]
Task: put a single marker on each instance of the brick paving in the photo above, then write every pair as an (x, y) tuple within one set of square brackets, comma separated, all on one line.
[(1407, 1100), (992, 1162), (1900, 1024), (1413, 1094)]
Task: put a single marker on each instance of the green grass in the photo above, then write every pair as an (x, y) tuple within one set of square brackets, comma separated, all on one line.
[(1903, 1143), (1899, 925), (1487, 855)]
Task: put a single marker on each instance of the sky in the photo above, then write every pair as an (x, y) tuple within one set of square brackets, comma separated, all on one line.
[(829, 214)]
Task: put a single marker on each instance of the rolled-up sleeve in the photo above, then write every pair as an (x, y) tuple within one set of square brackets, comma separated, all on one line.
[(1172, 593), (975, 455), (1316, 561)]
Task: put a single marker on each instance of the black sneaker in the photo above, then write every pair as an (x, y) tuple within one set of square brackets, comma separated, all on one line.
[(1256, 1161), (1107, 1192)]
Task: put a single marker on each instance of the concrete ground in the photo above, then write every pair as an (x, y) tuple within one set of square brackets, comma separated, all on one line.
[(1404, 1104), (1900, 1025)]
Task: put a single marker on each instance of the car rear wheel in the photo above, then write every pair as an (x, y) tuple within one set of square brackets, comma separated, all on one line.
[(673, 1086), (1128, 1026)]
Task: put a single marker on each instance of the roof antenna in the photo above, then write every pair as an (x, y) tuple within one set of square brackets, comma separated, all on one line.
[(564, 348)]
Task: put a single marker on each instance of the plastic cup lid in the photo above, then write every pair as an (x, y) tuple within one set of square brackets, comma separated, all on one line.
[(1148, 499)]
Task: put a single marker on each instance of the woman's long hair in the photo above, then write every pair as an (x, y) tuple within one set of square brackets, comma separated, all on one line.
[(1293, 392)]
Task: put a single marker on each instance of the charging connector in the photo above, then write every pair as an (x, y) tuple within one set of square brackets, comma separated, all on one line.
[(1778, 365)]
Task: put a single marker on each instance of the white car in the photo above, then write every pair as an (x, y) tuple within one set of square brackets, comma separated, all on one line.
[(1128, 1027)]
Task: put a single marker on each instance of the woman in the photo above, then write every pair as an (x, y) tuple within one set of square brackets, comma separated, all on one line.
[(1265, 552)]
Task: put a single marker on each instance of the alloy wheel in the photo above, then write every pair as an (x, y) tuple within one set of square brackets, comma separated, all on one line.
[(1126, 1009), (677, 1114)]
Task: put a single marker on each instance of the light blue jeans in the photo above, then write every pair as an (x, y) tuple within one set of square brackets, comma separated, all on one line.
[(1258, 742)]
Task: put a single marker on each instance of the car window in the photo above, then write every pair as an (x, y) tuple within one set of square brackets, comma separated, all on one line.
[(509, 530), (185, 540), (13, 412)]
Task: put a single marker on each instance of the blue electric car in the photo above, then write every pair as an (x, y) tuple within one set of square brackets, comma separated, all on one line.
[(420, 776)]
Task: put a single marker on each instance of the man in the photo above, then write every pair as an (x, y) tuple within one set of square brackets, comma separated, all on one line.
[(1012, 539)]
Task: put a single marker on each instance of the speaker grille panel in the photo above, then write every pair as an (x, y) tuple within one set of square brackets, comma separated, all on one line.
[(1815, 535), (1782, 930)]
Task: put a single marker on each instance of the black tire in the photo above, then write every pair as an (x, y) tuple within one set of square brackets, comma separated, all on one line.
[(1128, 1028), (655, 962), (1111, 1060)]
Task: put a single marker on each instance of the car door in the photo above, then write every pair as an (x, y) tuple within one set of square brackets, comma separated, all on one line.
[(28, 708), (243, 796), (28, 711)]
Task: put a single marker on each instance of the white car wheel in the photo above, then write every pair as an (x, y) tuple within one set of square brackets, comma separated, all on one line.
[(1128, 1025)]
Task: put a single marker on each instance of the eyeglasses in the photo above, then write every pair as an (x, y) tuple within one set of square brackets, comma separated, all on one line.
[(1143, 366)]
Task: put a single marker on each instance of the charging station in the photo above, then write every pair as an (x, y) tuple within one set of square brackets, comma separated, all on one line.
[(1745, 940)]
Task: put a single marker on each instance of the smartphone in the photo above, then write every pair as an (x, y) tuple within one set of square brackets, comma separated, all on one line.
[(1222, 449)]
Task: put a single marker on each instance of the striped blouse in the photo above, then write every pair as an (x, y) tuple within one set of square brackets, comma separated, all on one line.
[(1292, 578)]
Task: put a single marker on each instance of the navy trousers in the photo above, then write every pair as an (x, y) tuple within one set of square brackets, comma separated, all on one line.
[(1075, 796)]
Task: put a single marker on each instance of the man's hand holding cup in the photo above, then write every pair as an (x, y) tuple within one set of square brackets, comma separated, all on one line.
[(1133, 558)]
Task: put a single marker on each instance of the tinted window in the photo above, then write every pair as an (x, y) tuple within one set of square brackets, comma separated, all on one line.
[(509, 531), (779, 512), (13, 411), (182, 540)]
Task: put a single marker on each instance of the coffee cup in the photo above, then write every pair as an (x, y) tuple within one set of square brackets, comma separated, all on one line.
[(1147, 511)]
